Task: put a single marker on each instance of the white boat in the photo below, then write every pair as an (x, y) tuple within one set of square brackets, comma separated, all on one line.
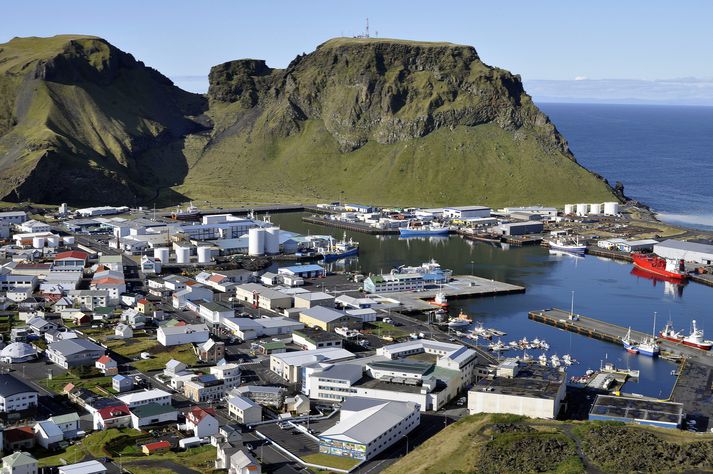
[(526, 356), (460, 321), (555, 360), (497, 346), (440, 300), (567, 359), (542, 359), (570, 245)]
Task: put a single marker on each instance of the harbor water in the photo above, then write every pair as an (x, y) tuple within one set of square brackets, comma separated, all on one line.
[(603, 289)]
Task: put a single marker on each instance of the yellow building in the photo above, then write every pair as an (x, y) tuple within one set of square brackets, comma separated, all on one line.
[(328, 319)]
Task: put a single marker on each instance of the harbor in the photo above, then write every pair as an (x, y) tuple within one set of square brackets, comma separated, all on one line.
[(351, 226), (613, 333)]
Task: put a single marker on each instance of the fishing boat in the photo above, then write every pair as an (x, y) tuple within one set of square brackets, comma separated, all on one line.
[(567, 245), (497, 346), (440, 300), (555, 361), (649, 347), (190, 213), (567, 359), (629, 343), (460, 321), (694, 339), (419, 229), (338, 250), (542, 359), (665, 267)]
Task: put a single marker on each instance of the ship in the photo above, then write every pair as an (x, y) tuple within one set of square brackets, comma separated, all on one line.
[(649, 347), (432, 272), (342, 249), (440, 300), (629, 343), (459, 321), (571, 245), (190, 213), (664, 267), (694, 339), (421, 229)]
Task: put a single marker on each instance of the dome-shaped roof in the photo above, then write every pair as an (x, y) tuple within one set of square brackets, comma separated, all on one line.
[(18, 350)]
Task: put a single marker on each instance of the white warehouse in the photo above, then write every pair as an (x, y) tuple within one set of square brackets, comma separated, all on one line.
[(688, 251)]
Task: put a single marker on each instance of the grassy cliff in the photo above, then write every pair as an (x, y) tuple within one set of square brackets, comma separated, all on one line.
[(383, 121)]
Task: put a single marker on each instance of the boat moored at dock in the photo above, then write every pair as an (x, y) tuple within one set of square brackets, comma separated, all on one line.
[(694, 339), (664, 267)]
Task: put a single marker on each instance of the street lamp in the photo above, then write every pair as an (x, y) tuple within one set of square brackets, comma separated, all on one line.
[(472, 271)]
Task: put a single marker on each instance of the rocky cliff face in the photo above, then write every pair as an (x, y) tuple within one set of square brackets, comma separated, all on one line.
[(385, 90)]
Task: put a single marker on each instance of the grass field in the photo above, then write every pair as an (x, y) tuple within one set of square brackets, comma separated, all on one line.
[(160, 356), (98, 384)]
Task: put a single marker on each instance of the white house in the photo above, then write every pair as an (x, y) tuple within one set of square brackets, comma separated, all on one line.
[(33, 226), (202, 422), (152, 414), (48, 434), (177, 335), (137, 399), (19, 462), (123, 331), (15, 395), (68, 424), (244, 410)]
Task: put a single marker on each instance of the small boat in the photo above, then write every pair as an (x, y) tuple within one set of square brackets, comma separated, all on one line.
[(544, 345), (440, 300), (567, 359), (571, 246), (629, 343), (497, 346), (495, 332), (342, 249), (526, 356), (460, 321), (542, 359), (555, 361), (190, 213), (694, 339)]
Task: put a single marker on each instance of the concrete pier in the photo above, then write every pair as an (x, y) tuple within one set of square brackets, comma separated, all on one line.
[(462, 286), (613, 333)]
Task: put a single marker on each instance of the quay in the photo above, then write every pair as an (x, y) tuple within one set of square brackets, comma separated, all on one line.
[(462, 286), (613, 254), (352, 226), (273, 208), (613, 333), (702, 278), (514, 240), (693, 389)]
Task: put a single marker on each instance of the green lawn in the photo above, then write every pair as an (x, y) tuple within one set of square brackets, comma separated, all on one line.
[(380, 328), (97, 384), (201, 459), (91, 445), (328, 460), (161, 355)]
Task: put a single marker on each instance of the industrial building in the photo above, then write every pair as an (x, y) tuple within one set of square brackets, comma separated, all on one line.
[(394, 282), (367, 427), (526, 389), (261, 297), (248, 329), (521, 228), (637, 410), (302, 271), (311, 339), (328, 319), (466, 212), (289, 365), (689, 251)]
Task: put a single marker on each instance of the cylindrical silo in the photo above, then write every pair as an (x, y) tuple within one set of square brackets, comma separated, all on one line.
[(68, 240), (595, 208), (272, 240), (204, 254), (582, 209), (38, 242), (569, 208), (183, 254), (256, 241), (161, 253), (611, 208), (53, 241)]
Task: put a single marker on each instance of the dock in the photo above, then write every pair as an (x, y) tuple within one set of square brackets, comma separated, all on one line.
[(462, 286), (702, 278), (514, 240), (613, 333), (693, 389), (351, 226), (613, 254)]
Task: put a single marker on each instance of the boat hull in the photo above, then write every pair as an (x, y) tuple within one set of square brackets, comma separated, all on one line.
[(569, 249), (702, 346), (330, 257), (648, 352), (647, 264), (631, 348), (421, 233)]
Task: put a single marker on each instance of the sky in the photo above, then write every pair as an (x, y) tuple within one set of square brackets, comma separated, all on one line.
[(554, 42)]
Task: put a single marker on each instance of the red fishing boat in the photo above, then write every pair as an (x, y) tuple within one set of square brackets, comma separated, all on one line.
[(664, 267)]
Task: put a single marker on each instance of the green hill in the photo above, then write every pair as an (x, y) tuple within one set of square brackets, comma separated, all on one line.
[(383, 121)]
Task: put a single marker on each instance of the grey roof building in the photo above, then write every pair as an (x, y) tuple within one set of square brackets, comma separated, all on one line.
[(74, 352)]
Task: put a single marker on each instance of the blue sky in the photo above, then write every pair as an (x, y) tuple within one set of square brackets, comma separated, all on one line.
[(547, 40)]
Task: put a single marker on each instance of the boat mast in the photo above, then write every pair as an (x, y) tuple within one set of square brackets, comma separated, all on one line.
[(653, 332), (571, 308)]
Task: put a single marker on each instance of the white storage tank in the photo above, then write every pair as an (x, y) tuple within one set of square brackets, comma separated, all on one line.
[(256, 241), (595, 208), (204, 254), (161, 253), (272, 240), (38, 242), (611, 208), (582, 209), (183, 254), (69, 240), (569, 208), (53, 241)]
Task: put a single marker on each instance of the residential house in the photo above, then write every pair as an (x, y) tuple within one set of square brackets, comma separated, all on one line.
[(146, 307), (263, 394), (152, 414), (16, 395), (86, 467), (210, 351), (68, 424), (107, 365), (48, 434), (151, 265), (133, 318), (121, 383), (191, 293), (39, 326), (145, 397), (72, 260), (157, 447), (213, 313), (244, 410), (261, 297), (243, 462), (110, 281), (177, 335), (202, 422), (115, 416), (18, 438), (328, 319), (212, 386), (90, 299), (60, 334), (74, 353), (123, 331), (19, 463)]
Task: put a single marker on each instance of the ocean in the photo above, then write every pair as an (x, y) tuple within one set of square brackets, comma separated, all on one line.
[(662, 154)]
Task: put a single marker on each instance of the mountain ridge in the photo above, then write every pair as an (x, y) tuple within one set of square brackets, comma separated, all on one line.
[(393, 121)]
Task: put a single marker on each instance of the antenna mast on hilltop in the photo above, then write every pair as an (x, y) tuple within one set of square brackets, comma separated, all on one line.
[(366, 34)]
